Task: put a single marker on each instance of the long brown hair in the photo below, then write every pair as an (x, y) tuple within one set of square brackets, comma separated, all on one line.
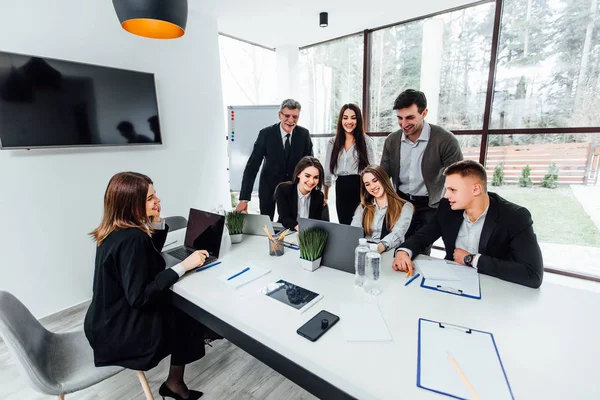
[(395, 203), (305, 162), (124, 205), (360, 144)]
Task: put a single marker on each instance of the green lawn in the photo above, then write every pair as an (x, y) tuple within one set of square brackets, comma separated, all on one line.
[(557, 215)]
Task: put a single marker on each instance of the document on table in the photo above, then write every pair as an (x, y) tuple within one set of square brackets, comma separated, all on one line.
[(466, 285), (239, 276), (438, 270), (363, 323)]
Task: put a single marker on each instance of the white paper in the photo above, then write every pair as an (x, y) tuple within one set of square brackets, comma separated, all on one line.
[(253, 273), (467, 283), (363, 323), (436, 269), (475, 355)]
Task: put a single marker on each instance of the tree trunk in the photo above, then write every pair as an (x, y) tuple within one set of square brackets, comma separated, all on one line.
[(585, 56)]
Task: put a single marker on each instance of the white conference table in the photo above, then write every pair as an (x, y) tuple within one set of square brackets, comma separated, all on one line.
[(549, 339)]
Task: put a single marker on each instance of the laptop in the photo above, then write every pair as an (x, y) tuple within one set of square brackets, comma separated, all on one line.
[(341, 242), (254, 225), (204, 232)]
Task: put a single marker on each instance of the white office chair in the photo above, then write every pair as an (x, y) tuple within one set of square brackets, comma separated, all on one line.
[(54, 363)]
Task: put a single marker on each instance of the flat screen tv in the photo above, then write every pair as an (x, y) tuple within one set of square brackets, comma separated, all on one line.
[(51, 103)]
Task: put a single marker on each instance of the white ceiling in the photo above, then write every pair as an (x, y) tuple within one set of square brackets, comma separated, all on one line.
[(274, 23)]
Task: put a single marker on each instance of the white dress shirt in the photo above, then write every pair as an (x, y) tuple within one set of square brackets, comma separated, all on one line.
[(393, 238), (411, 159), (348, 159), (303, 204), (283, 135)]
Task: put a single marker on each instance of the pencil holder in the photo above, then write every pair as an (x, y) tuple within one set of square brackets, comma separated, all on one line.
[(275, 248)]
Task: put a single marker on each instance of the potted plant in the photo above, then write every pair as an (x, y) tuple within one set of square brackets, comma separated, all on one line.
[(235, 225), (312, 242)]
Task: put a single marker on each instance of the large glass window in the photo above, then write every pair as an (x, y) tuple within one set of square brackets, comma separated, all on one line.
[(330, 76), (548, 72), (446, 56), (248, 73), (553, 176)]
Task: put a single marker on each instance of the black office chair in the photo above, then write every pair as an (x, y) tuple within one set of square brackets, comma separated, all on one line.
[(325, 214), (176, 222)]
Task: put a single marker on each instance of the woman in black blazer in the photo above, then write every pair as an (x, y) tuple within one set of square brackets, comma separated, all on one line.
[(131, 321), (301, 197)]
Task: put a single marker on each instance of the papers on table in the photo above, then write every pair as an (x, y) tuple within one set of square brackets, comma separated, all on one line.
[(239, 276), (363, 323), (437, 270)]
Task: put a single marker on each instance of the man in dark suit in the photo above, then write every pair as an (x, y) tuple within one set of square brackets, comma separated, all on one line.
[(281, 146), (415, 157), (480, 230)]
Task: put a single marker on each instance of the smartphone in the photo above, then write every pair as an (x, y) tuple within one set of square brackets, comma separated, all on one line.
[(318, 325)]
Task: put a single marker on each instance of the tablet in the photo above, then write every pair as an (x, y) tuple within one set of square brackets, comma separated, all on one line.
[(292, 295)]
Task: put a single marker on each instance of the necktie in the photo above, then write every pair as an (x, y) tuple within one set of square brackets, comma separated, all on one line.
[(287, 148)]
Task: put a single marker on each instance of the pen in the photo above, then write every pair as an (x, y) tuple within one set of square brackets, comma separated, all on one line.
[(290, 246), (464, 378), (412, 279), (239, 273), (208, 266)]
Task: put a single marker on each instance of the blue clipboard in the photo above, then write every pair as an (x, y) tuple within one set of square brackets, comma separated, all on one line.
[(475, 353), (455, 288)]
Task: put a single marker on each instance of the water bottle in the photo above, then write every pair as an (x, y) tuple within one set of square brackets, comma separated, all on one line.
[(360, 261), (373, 271)]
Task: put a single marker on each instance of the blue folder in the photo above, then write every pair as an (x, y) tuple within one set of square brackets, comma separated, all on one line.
[(474, 351)]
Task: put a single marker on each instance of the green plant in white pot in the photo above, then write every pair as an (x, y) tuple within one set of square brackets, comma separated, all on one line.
[(312, 242), (235, 225)]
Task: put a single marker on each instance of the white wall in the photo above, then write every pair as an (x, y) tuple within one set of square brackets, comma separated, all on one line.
[(51, 199)]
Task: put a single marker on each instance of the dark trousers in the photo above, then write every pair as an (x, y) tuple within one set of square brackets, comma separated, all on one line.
[(423, 214), (347, 197), (266, 201)]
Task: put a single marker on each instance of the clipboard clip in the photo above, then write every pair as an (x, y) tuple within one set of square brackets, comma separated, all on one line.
[(449, 290), (464, 329)]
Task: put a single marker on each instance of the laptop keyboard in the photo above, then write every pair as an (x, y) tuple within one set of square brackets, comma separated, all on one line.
[(183, 253)]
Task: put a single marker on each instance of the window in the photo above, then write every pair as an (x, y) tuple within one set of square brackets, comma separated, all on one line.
[(446, 56), (548, 72), (248, 73), (330, 76), (550, 175)]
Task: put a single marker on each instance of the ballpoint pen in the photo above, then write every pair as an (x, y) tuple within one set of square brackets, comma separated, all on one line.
[(412, 279), (239, 273), (208, 266)]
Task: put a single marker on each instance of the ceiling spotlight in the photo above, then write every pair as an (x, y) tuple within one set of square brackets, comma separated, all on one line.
[(323, 20)]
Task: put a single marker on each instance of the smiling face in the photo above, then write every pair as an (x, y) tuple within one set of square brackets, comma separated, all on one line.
[(152, 203), (411, 121), (373, 185), (289, 118), (461, 191), (349, 120), (308, 179)]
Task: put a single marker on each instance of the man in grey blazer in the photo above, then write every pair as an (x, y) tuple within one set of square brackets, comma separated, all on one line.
[(416, 155)]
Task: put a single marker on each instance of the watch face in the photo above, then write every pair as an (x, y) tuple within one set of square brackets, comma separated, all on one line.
[(468, 259)]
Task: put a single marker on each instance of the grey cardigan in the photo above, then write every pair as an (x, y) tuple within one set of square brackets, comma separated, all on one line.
[(441, 151)]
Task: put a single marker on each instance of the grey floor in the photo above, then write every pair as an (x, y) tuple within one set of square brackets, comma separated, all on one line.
[(226, 372)]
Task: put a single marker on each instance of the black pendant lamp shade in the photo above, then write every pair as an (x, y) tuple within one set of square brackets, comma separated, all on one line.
[(156, 19)]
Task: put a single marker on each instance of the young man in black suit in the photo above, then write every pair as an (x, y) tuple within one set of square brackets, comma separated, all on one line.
[(281, 146), (480, 230)]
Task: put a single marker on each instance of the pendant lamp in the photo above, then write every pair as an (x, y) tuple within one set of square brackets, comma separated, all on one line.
[(156, 19)]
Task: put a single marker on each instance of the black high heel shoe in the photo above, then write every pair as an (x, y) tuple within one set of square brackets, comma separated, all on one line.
[(164, 391)]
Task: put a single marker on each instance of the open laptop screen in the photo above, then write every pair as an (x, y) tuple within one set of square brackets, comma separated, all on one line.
[(204, 231)]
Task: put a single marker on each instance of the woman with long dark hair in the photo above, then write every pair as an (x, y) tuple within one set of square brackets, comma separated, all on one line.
[(383, 215), (130, 321), (348, 153), (302, 197)]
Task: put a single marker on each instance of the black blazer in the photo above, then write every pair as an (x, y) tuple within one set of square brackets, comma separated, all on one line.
[(125, 322), (508, 246), (269, 146), (286, 198)]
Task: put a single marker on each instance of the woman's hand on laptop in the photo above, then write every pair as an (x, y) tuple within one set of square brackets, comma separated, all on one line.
[(195, 259)]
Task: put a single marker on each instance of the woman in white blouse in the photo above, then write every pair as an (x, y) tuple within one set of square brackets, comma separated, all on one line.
[(383, 215), (348, 153)]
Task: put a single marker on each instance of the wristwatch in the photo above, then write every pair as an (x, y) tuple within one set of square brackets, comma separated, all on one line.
[(468, 260)]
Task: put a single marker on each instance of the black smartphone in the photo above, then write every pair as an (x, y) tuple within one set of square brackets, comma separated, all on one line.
[(318, 325)]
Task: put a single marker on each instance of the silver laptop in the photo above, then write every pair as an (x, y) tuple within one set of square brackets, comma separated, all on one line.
[(254, 225), (341, 242)]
